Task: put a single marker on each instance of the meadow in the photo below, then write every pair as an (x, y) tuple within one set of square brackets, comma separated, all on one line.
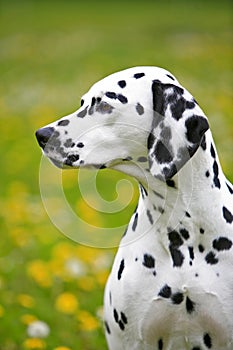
[(50, 54)]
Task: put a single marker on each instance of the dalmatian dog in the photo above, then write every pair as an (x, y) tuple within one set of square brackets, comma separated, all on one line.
[(171, 285)]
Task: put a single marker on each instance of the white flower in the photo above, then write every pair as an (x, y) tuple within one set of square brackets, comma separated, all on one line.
[(38, 329), (75, 267)]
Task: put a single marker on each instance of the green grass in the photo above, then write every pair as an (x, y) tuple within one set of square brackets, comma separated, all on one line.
[(51, 53)]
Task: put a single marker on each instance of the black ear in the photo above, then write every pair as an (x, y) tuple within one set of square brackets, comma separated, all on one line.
[(177, 129)]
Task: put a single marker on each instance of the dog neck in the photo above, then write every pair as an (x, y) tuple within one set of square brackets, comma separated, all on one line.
[(191, 193)]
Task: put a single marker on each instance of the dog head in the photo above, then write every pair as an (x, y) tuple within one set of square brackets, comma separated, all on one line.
[(139, 115)]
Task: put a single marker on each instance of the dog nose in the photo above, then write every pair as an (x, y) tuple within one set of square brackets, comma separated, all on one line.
[(43, 135)]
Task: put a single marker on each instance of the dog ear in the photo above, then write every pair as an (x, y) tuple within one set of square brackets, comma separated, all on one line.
[(177, 129)]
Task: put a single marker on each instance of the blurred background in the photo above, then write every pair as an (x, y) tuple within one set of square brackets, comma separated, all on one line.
[(51, 52)]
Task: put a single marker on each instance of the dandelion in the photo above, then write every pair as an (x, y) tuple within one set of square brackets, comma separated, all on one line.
[(34, 344), (62, 348), (86, 283), (25, 300), (66, 303), (27, 319), (87, 321), (38, 329), (38, 270)]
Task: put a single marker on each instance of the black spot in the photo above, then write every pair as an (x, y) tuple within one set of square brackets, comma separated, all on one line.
[(103, 166), (160, 344), (80, 145), (190, 104), (187, 214), (201, 248), (122, 83), (121, 325), (121, 268), (190, 305), (191, 253), (178, 108), (122, 99), (69, 143), (139, 109), (165, 292), (110, 298), (161, 210), (112, 95), (227, 215), (196, 127), (93, 101), (150, 141), (170, 183), (135, 222), (215, 168), (107, 327), (148, 213), (98, 99), (169, 76), (158, 194), (163, 155), (207, 340), (177, 298), (82, 102), (203, 143), (211, 259), (104, 108), (222, 243), (177, 256), (212, 151), (127, 158), (124, 318), (229, 188), (207, 173), (196, 348), (142, 159), (216, 172), (184, 233), (139, 75), (115, 314), (202, 231), (175, 239), (83, 113), (143, 190), (149, 261), (63, 122), (71, 159)]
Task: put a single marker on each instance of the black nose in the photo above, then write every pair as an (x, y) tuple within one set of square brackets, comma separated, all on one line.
[(43, 135)]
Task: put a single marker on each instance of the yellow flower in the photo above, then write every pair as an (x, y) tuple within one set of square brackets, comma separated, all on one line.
[(66, 303), (27, 319), (25, 300), (62, 348), (87, 321), (2, 311), (38, 270), (62, 251), (86, 283), (34, 344)]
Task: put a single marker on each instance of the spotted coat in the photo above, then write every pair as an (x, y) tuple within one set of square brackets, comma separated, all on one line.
[(171, 283)]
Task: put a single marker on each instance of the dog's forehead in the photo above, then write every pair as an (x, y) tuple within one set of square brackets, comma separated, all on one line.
[(136, 78)]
